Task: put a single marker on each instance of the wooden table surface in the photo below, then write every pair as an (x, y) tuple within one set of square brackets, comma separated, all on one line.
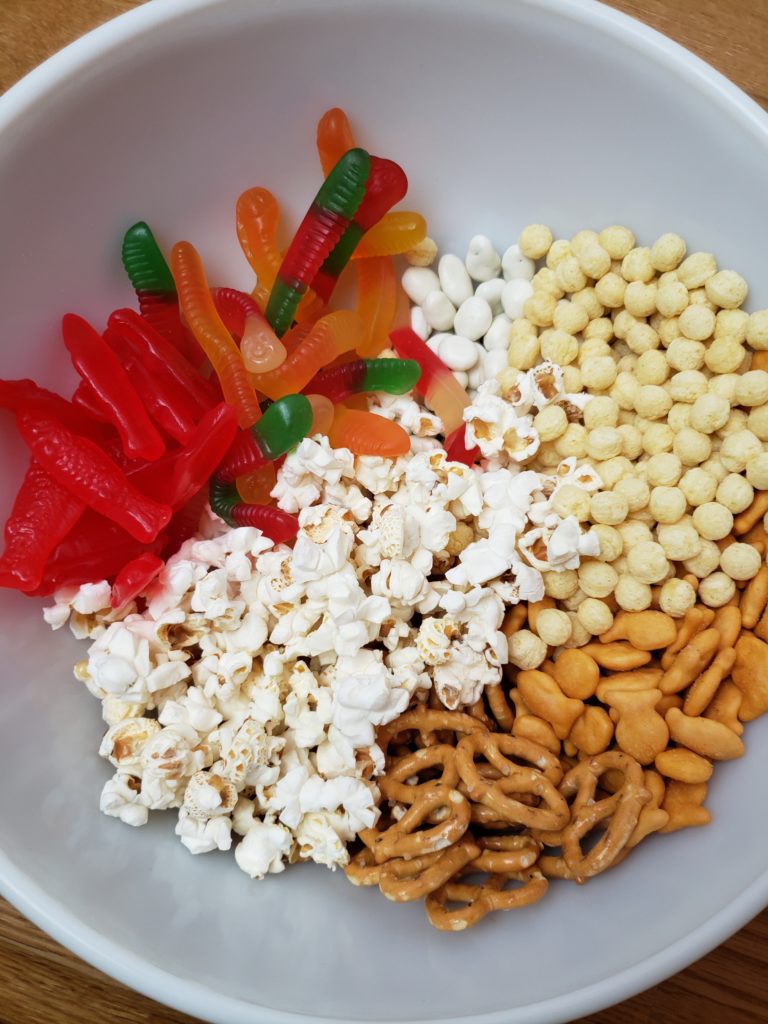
[(40, 981)]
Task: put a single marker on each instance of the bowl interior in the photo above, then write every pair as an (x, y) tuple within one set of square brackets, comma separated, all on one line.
[(501, 113)]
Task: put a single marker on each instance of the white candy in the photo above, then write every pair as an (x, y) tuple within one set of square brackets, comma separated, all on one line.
[(497, 336), (439, 311), (418, 282), (494, 362), (461, 377), (434, 341), (515, 266), (514, 296), (418, 324), (457, 352), (454, 279), (491, 292), (482, 261), (473, 318), (476, 377)]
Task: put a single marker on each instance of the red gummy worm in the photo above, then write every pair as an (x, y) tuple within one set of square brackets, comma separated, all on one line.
[(90, 475), (96, 363), (409, 345), (279, 526), (134, 577), (42, 516)]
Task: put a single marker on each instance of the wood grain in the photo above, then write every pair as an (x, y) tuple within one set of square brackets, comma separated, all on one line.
[(42, 983)]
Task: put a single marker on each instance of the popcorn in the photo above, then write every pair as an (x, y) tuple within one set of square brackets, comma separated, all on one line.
[(121, 798), (264, 849)]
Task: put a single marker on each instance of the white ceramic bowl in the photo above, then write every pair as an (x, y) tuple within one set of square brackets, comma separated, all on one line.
[(502, 112)]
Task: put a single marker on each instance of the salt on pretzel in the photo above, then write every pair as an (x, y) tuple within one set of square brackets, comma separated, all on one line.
[(502, 855), (617, 813), (500, 794), (481, 899), (404, 839)]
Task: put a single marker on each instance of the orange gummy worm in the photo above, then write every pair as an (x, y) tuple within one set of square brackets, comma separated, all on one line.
[(331, 336), (255, 488), (376, 303), (395, 233), (364, 433), (199, 312)]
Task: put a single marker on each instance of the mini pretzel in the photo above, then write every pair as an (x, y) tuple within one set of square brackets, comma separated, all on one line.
[(405, 880), (502, 855), (621, 811), (426, 722), (480, 900), (362, 869), (539, 781), (401, 839), (393, 785)]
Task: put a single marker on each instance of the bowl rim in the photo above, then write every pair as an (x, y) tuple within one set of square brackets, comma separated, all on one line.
[(186, 994)]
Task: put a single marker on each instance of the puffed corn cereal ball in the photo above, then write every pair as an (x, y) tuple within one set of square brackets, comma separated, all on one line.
[(679, 540), (641, 337), (570, 500), (595, 616), (631, 441), (635, 491), (652, 402), (712, 520), (634, 531), (658, 438), (570, 317), (544, 280), (740, 561), (663, 470), (601, 411), (598, 372), (579, 636), (553, 626), (757, 330), (716, 590), (559, 347), (550, 422), (709, 413), (738, 449), (698, 486), (600, 328), (610, 289), (757, 471), (632, 595), (758, 422), (724, 355), (684, 354), (559, 250), (752, 388), (652, 367), (523, 352), (726, 289), (668, 330), (539, 308), (594, 260), (697, 322), (647, 562), (735, 493), (697, 269), (733, 322), (611, 544), (597, 579), (678, 418), (613, 470), (526, 650), (705, 562), (622, 322), (569, 275), (671, 298), (423, 254), (603, 443), (637, 265), (691, 446), (617, 241), (624, 390), (573, 443), (676, 598), (687, 385), (736, 422), (561, 585), (667, 504), (640, 298), (667, 252), (609, 508), (534, 241)]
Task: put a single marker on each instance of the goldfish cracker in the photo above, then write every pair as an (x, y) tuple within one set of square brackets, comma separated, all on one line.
[(576, 674), (592, 731), (724, 707), (682, 802), (621, 657), (750, 675), (545, 699), (531, 727), (633, 680), (754, 599), (683, 765), (703, 736), (641, 731), (690, 661), (695, 620), (728, 623), (705, 686), (646, 631)]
